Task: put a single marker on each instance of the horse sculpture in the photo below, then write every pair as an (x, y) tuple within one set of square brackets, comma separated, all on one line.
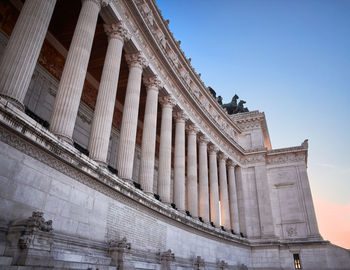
[(233, 107)]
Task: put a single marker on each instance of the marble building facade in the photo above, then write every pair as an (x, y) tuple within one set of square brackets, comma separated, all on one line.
[(114, 154)]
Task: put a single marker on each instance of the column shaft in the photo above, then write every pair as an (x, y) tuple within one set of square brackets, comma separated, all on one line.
[(179, 163), (126, 151), (148, 146), (203, 180), (233, 198), (192, 187), (72, 81), (23, 49), (224, 204), (164, 171), (214, 186), (103, 115)]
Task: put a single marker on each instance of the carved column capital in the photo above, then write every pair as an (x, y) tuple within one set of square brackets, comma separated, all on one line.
[(167, 101), (180, 116), (136, 60), (231, 163), (222, 156), (153, 82), (212, 149), (203, 139), (117, 30), (192, 129)]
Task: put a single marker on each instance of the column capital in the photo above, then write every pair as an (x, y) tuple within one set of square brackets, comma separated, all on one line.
[(117, 30), (153, 83), (231, 163), (222, 156), (100, 3), (213, 149), (136, 60), (203, 139), (180, 116), (167, 101), (192, 129)]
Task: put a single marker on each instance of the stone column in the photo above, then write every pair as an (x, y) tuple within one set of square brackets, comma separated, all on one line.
[(148, 146), (104, 109), (126, 151), (233, 197), (224, 204), (214, 186), (179, 161), (192, 187), (23, 49), (69, 91), (203, 179), (164, 167)]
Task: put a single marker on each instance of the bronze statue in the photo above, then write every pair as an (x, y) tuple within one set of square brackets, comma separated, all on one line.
[(231, 107)]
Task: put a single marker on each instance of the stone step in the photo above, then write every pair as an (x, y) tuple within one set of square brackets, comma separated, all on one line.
[(5, 260)]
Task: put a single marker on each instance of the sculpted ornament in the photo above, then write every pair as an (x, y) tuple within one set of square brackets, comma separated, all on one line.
[(222, 156), (203, 139), (180, 115), (153, 82), (213, 149), (136, 60), (167, 100), (192, 129), (117, 30)]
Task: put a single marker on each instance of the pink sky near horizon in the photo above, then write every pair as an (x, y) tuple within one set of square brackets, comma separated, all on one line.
[(331, 215)]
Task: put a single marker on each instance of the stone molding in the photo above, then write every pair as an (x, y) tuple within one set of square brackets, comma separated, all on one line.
[(117, 30)]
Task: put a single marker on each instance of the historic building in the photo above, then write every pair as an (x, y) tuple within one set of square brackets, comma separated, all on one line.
[(115, 155)]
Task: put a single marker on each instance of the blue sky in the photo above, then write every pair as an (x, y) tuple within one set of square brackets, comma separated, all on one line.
[(289, 59)]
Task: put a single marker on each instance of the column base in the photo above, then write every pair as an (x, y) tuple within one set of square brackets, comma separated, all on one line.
[(19, 105)]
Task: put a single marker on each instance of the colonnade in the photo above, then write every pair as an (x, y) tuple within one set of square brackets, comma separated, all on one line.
[(209, 191)]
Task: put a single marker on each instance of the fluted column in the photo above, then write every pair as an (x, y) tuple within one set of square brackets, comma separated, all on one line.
[(126, 151), (148, 146), (164, 167), (71, 84), (192, 187), (214, 185), (203, 179), (233, 197), (179, 161), (224, 204), (23, 48), (104, 109)]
